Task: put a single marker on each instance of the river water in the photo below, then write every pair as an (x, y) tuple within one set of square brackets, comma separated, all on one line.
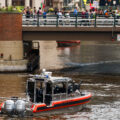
[(97, 64)]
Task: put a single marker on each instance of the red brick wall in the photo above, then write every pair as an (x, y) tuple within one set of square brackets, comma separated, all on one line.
[(10, 26)]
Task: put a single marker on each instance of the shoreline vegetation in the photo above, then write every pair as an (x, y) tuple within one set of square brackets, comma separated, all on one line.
[(11, 9)]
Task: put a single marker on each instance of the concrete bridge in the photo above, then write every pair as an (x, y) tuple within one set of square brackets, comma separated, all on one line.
[(70, 28), (70, 33), (14, 54)]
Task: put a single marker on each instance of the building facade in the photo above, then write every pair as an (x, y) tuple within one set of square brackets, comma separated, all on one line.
[(58, 4), (26, 3), (32, 3), (109, 2)]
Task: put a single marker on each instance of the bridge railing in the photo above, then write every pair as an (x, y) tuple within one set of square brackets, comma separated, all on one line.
[(71, 21)]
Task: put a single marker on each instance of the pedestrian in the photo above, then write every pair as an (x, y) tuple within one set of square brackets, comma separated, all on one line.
[(91, 14), (83, 14), (55, 10), (44, 14), (86, 14), (75, 11), (67, 15), (39, 12), (28, 12), (34, 12), (59, 14)]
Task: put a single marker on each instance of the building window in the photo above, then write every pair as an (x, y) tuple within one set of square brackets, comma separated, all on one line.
[(18, 2)]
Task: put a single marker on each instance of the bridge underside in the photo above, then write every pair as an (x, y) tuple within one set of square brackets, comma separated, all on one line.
[(68, 34)]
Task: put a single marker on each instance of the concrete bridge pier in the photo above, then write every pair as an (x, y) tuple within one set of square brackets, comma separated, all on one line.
[(11, 44), (49, 55)]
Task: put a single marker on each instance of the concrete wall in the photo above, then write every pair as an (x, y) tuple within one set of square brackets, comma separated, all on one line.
[(13, 66), (9, 2), (2, 2), (36, 3), (11, 44), (11, 50)]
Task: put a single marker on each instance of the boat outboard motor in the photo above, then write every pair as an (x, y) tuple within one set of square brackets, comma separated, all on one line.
[(9, 107), (20, 107)]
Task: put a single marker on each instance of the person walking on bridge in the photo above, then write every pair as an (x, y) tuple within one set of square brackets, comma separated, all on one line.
[(39, 12), (75, 11)]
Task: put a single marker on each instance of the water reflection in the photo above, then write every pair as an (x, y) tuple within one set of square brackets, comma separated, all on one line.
[(49, 55), (12, 85), (86, 53), (91, 52)]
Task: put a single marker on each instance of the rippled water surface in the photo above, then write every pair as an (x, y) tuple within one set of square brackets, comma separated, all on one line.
[(97, 65)]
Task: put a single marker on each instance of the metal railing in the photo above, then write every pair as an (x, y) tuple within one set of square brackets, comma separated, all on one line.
[(71, 21)]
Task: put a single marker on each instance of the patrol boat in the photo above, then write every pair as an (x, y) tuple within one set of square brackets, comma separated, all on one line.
[(46, 93)]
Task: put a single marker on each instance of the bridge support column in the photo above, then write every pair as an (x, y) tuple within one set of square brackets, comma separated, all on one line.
[(11, 44), (49, 55)]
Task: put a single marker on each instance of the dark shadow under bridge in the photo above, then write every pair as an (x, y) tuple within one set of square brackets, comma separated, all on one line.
[(70, 33)]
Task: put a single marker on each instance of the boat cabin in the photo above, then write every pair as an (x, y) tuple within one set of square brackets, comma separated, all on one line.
[(44, 88)]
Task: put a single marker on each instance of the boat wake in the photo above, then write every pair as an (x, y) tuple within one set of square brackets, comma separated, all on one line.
[(102, 67), (89, 64)]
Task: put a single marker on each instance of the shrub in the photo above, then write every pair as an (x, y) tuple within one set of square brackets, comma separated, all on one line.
[(51, 9), (10, 9), (20, 8)]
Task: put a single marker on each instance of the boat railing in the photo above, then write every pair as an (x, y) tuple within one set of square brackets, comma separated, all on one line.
[(2, 99), (72, 21), (63, 96), (59, 96)]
